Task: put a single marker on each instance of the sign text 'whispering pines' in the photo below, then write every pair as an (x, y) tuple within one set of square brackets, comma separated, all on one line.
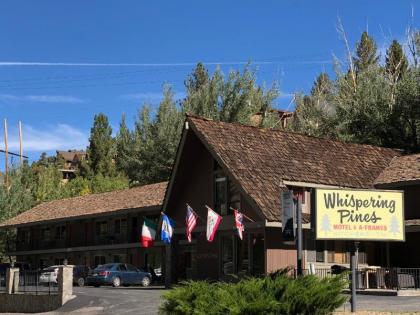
[(359, 214)]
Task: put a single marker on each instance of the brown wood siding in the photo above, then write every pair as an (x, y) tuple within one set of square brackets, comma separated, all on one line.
[(278, 254)]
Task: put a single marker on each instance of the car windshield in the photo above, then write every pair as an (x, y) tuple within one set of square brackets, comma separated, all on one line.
[(49, 269)]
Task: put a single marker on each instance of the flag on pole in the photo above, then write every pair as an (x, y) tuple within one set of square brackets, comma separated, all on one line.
[(239, 222), (191, 222), (213, 221), (167, 229), (148, 233)]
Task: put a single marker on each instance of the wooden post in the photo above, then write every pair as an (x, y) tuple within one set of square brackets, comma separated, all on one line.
[(20, 143), (6, 155)]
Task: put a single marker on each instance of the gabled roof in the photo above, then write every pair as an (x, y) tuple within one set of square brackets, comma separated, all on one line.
[(260, 160), (402, 169), (134, 198)]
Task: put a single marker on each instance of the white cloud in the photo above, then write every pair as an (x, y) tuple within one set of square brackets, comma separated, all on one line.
[(49, 138), (41, 98), (150, 96)]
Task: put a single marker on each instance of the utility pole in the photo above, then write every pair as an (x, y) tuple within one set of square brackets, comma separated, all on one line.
[(6, 155)]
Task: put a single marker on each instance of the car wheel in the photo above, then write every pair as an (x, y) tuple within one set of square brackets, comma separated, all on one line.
[(116, 282), (145, 282), (81, 282)]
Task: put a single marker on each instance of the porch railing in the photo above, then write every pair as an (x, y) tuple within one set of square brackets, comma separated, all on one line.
[(376, 278)]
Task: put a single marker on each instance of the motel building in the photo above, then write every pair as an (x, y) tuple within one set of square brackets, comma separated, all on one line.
[(229, 166)]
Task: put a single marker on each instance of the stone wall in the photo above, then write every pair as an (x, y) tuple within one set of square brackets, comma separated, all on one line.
[(15, 302)]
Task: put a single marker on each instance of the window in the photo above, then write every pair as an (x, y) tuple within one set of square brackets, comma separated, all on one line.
[(122, 268), (257, 243), (101, 228), (320, 251), (24, 236), (120, 226), (227, 255), (131, 268), (220, 190), (242, 259), (99, 260), (46, 234), (60, 232)]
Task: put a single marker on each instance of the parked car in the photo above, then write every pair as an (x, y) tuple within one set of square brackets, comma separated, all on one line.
[(80, 274), (49, 275), (117, 274)]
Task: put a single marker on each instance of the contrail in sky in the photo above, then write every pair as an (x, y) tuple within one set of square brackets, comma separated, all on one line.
[(182, 64)]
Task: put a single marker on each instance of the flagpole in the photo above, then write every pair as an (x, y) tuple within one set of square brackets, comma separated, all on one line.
[(245, 216)]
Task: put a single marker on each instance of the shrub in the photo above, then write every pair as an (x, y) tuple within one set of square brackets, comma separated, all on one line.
[(278, 294)]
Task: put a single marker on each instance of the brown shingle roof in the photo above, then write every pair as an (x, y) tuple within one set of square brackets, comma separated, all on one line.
[(71, 155), (138, 197), (261, 159), (401, 169)]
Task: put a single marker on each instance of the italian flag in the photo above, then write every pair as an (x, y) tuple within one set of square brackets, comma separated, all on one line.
[(148, 233)]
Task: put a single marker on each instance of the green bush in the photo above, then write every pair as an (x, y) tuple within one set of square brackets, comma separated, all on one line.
[(277, 294)]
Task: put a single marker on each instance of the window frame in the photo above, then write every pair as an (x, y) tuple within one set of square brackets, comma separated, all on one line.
[(219, 175)]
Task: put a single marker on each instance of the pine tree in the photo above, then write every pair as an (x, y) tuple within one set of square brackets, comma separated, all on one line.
[(166, 132), (366, 53), (322, 85), (198, 79), (396, 62), (101, 150), (124, 146)]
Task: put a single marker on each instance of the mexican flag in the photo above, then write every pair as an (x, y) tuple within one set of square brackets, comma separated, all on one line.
[(148, 233)]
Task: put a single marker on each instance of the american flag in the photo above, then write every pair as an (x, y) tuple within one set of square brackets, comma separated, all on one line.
[(239, 218), (191, 222)]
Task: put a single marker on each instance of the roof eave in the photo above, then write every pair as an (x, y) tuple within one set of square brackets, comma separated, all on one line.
[(81, 217)]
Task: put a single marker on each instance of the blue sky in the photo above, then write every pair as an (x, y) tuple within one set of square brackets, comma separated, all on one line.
[(63, 61)]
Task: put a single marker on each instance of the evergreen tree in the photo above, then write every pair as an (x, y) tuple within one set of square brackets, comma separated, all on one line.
[(396, 63), (160, 140), (101, 150), (315, 112), (124, 147), (366, 53), (202, 93), (198, 79), (322, 86)]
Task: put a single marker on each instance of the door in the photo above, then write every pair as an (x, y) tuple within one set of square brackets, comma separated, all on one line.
[(133, 274), (124, 275)]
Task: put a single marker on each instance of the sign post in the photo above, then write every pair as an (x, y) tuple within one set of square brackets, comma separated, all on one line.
[(299, 235), (357, 215), (288, 224)]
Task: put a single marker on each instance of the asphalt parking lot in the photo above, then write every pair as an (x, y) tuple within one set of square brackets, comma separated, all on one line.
[(109, 300), (142, 301), (397, 304)]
